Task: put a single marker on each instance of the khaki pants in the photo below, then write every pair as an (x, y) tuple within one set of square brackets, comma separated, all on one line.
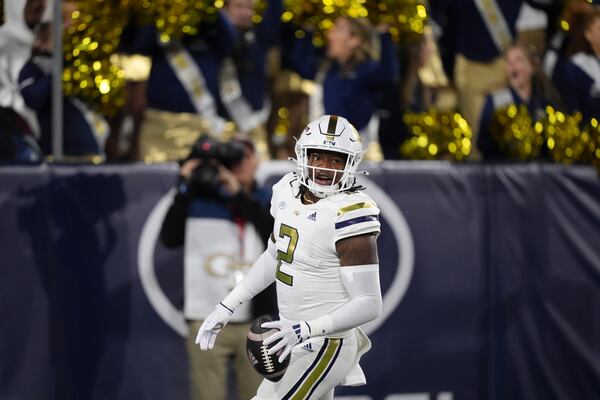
[(474, 81), (208, 369)]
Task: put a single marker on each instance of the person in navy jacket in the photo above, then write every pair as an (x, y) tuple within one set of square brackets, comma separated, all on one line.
[(250, 45), (564, 44), (185, 86), (165, 92), (474, 36), (526, 85), (583, 70), (17, 144), (473, 39), (348, 78), (83, 130)]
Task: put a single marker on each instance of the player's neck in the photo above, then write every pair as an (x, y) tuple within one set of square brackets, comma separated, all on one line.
[(309, 198)]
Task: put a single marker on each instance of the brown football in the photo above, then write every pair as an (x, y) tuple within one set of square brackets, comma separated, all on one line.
[(265, 364)]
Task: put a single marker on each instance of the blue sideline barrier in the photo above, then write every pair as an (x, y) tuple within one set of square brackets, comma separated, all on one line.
[(491, 280)]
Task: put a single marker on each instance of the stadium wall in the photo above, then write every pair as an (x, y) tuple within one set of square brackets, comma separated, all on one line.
[(490, 274)]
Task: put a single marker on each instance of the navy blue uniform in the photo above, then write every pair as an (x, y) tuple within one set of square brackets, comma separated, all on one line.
[(584, 93), (78, 136), (208, 49), (555, 64), (486, 144), (464, 30), (249, 53), (351, 94)]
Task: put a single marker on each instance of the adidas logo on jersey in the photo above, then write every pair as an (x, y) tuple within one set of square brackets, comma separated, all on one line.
[(308, 347), (313, 216)]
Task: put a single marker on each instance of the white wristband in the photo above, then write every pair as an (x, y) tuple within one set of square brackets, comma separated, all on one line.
[(320, 326)]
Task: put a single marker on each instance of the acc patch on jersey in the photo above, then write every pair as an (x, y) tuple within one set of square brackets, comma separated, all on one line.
[(257, 352)]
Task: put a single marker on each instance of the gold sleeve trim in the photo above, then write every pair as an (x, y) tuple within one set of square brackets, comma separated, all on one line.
[(354, 207)]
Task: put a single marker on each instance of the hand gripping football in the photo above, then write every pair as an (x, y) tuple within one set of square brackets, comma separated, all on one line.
[(265, 364)]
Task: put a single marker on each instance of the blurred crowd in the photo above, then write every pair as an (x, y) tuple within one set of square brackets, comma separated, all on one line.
[(509, 69)]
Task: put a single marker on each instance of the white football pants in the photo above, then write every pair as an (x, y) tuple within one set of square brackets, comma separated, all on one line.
[(316, 367)]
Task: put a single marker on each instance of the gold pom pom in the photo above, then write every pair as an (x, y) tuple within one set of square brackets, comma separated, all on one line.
[(565, 142), (515, 133), (592, 133), (437, 135), (406, 18), (176, 18), (90, 40)]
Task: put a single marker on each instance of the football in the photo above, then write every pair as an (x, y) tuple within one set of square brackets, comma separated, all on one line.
[(265, 364)]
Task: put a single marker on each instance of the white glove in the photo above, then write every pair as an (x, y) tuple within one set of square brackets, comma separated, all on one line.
[(212, 325), (290, 332)]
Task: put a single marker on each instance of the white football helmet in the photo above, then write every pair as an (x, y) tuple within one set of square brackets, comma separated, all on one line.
[(331, 133)]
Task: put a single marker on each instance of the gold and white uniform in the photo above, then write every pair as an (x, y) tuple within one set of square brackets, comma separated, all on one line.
[(309, 285)]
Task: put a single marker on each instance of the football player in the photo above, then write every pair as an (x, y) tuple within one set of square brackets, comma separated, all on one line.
[(323, 256)]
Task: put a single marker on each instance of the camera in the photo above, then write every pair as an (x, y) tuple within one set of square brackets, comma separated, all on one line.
[(204, 180)]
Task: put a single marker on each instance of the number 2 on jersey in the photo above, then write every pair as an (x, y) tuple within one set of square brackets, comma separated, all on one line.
[(288, 255)]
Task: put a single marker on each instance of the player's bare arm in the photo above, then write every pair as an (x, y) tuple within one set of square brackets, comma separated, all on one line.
[(358, 250)]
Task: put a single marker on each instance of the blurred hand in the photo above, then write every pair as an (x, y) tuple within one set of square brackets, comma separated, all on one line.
[(68, 8), (188, 167), (382, 27), (229, 181), (43, 44)]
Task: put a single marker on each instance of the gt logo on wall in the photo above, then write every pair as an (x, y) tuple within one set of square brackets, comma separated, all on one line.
[(173, 317)]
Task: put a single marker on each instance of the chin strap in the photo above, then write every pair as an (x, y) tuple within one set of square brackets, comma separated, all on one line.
[(299, 174)]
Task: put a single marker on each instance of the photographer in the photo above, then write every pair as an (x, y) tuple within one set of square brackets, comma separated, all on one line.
[(222, 218)]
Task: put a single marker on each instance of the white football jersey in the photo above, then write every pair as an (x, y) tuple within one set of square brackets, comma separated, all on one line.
[(309, 284)]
